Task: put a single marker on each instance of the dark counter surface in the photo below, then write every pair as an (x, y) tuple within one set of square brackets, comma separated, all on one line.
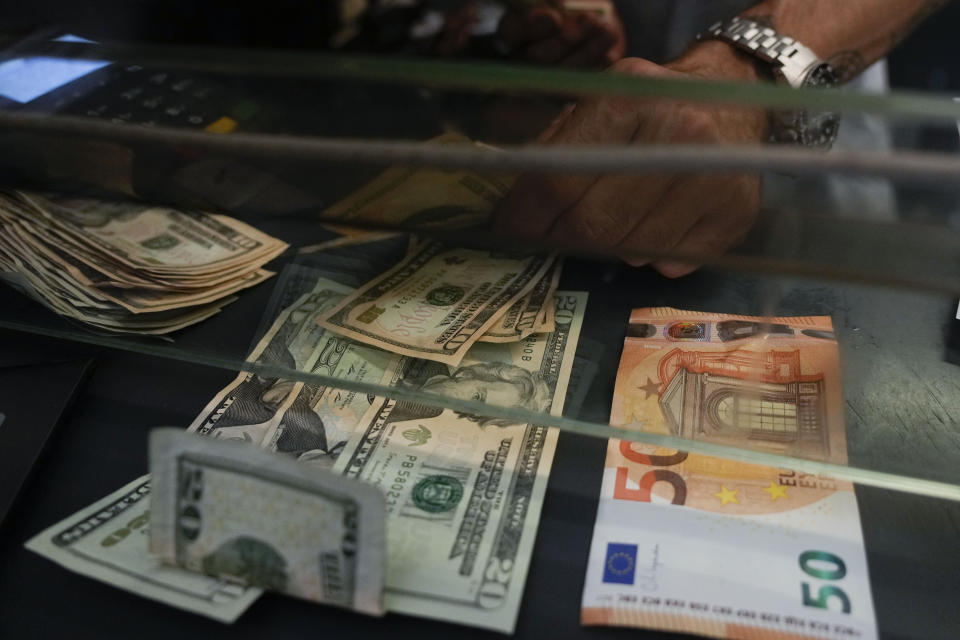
[(903, 404)]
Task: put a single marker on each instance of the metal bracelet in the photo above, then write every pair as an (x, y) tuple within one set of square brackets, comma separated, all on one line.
[(792, 58)]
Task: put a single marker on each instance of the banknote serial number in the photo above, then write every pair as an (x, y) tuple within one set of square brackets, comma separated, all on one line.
[(741, 615), (396, 488)]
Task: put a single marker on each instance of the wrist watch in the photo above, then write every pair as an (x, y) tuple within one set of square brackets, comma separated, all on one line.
[(793, 64)]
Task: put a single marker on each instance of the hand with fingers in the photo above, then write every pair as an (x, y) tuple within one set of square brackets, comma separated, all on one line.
[(629, 214), (591, 36)]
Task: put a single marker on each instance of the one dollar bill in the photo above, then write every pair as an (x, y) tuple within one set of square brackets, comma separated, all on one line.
[(239, 513), (108, 541), (690, 543)]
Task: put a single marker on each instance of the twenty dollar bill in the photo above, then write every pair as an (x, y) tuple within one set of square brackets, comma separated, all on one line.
[(108, 541), (464, 491), (233, 511)]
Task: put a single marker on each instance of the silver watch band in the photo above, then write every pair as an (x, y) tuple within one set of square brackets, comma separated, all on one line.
[(789, 57)]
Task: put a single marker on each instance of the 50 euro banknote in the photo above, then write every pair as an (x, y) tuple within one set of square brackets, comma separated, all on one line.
[(692, 543)]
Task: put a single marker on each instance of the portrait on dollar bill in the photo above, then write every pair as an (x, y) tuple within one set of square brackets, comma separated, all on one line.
[(254, 402), (495, 383), (303, 431), (89, 216)]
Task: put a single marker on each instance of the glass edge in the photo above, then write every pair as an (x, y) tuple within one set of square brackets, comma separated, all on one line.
[(866, 477), (505, 77), (904, 166)]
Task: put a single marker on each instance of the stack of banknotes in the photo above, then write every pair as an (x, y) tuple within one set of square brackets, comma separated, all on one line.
[(463, 492), (439, 300), (127, 267)]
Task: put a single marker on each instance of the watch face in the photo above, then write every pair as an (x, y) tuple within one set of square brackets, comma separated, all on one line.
[(819, 128), (822, 76)]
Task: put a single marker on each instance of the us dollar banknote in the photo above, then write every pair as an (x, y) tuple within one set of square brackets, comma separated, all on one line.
[(125, 267), (437, 302), (304, 420), (418, 197), (532, 313), (463, 491), (146, 238), (108, 541), (233, 511), (351, 266), (315, 425), (690, 543), (248, 407)]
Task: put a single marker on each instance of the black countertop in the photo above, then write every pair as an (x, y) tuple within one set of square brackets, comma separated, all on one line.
[(903, 402)]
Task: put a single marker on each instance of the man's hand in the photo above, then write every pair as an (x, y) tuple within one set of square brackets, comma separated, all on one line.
[(692, 215), (629, 214), (571, 37)]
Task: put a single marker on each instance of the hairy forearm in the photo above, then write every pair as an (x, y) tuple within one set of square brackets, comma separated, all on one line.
[(850, 33)]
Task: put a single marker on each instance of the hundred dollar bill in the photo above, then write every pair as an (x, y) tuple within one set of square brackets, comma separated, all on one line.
[(463, 491), (690, 543), (437, 302), (243, 514), (107, 541)]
